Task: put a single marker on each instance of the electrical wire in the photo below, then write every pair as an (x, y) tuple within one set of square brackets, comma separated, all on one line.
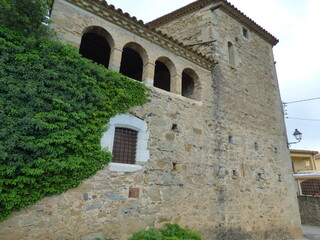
[(304, 119), (303, 100)]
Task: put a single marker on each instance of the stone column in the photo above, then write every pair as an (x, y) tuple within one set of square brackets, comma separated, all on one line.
[(115, 59), (148, 73), (176, 84)]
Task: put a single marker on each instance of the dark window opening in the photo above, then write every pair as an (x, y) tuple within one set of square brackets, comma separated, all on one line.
[(162, 76), (231, 54), (95, 48), (174, 166), (124, 146), (174, 127), (131, 64), (187, 85), (245, 33)]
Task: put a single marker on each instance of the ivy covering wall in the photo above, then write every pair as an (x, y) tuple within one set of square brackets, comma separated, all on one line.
[(54, 105)]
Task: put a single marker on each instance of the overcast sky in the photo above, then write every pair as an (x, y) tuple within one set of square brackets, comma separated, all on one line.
[(296, 24)]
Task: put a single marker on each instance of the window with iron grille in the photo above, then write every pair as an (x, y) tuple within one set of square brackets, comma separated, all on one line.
[(310, 187), (127, 137), (124, 145)]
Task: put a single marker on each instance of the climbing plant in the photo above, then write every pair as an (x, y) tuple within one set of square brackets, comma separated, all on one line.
[(54, 105)]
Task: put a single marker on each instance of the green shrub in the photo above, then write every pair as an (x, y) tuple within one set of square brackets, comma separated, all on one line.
[(53, 108), (175, 232), (169, 232), (149, 234)]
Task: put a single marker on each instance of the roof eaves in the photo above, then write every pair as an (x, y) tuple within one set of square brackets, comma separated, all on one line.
[(226, 7), (180, 12), (303, 151), (244, 19)]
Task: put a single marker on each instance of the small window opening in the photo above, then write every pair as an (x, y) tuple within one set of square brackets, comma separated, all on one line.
[(230, 139), (275, 149), (174, 166), (95, 48), (187, 85), (231, 54), (256, 146), (131, 64), (234, 174), (174, 127), (259, 176), (162, 76), (245, 33), (124, 145)]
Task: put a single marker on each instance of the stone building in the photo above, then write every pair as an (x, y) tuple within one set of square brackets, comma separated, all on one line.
[(211, 148)]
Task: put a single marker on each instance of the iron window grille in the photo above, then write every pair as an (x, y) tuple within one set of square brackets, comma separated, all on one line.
[(124, 145), (311, 187)]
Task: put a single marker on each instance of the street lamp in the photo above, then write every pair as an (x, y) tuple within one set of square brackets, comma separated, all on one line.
[(298, 135)]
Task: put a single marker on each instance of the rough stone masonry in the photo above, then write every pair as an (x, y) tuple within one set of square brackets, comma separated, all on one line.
[(217, 155)]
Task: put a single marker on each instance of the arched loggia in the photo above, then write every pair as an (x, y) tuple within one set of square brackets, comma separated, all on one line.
[(134, 57), (190, 84), (164, 70), (96, 44)]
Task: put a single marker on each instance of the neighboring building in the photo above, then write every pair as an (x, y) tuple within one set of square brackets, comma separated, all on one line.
[(304, 160), (306, 171), (209, 151), (317, 161), (308, 183)]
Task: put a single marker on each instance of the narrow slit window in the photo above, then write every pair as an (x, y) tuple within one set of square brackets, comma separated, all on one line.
[(124, 145), (231, 54), (245, 33)]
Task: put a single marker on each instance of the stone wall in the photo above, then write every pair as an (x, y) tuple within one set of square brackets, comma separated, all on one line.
[(309, 210), (219, 165), (202, 191), (249, 114)]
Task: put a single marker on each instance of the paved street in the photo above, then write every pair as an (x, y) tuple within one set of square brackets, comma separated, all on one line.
[(311, 232)]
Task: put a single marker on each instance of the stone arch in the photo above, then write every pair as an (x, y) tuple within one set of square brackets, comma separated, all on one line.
[(134, 57), (164, 72), (190, 84), (96, 44)]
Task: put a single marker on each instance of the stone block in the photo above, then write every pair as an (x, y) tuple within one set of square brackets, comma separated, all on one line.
[(115, 197)]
